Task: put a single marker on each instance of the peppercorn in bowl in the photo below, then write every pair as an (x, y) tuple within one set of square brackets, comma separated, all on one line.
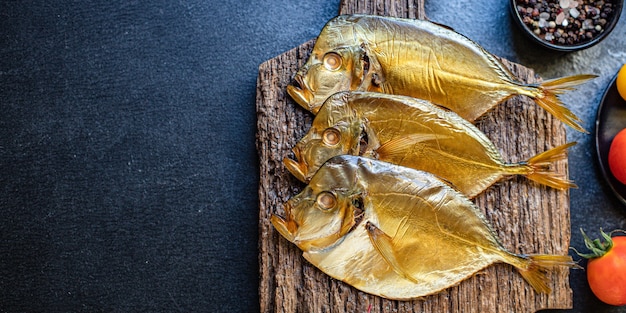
[(566, 25)]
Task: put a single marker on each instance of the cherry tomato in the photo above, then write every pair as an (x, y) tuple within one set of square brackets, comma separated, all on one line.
[(617, 156), (606, 268), (620, 81)]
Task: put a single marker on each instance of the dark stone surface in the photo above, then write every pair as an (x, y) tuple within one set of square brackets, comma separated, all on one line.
[(127, 146)]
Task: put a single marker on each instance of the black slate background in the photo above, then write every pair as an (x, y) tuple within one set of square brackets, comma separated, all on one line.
[(128, 165), (128, 169)]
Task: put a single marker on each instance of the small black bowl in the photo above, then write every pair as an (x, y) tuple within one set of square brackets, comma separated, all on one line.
[(611, 21)]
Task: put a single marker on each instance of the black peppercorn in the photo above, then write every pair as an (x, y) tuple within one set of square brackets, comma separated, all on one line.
[(566, 21)]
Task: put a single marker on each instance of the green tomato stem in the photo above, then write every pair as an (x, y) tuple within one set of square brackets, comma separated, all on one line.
[(597, 247)]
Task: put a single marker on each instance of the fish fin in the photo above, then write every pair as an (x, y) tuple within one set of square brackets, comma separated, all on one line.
[(540, 164), (535, 270), (384, 245), (400, 146), (551, 103)]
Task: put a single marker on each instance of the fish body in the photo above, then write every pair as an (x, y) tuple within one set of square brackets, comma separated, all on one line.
[(420, 59), (396, 232), (414, 133)]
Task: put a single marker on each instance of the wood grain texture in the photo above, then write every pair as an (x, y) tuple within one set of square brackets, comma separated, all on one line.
[(529, 218)]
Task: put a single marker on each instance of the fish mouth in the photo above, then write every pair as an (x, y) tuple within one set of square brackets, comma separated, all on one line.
[(299, 92), (296, 166), (286, 226)]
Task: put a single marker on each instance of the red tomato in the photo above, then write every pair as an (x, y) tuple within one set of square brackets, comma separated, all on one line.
[(617, 156), (606, 268)]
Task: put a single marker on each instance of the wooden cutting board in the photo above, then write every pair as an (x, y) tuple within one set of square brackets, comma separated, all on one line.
[(529, 218)]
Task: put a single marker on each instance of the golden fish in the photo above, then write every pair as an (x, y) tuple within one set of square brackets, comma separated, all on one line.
[(396, 232), (415, 133), (419, 59)]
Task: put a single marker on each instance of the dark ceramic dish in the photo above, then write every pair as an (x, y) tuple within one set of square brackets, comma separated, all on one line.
[(610, 120), (606, 28)]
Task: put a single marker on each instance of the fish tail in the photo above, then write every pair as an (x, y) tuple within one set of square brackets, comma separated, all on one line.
[(540, 172), (535, 266), (548, 98)]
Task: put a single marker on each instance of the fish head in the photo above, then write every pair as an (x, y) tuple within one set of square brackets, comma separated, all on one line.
[(337, 63), (327, 209), (334, 131)]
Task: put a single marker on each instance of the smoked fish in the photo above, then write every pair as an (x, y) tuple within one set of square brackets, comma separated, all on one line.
[(414, 133), (397, 232), (420, 59)]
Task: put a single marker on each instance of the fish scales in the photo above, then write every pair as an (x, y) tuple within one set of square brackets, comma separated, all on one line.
[(396, 232), (425, 42), (415, 133), (420, 59)]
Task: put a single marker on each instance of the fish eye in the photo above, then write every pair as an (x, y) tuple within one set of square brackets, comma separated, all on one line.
[(331, 136), (326, 200), (332, 61)]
